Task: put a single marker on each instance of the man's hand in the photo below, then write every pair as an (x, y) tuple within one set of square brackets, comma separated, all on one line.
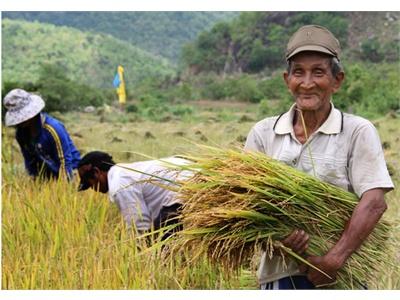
[(363, 220), (325, 263), (297, 241)]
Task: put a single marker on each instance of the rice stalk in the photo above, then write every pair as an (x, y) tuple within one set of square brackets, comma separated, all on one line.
[(239, 202)]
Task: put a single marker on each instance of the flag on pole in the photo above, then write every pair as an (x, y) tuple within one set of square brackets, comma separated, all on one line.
[(119, 84)]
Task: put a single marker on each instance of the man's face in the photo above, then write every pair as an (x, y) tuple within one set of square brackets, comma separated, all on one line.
[(27, 123), (95, 178), (311, 81)]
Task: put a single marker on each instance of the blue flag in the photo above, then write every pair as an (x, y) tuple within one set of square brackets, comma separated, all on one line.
[(116, 81)]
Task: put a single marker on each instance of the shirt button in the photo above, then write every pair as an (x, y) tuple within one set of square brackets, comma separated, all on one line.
[(294, 161)]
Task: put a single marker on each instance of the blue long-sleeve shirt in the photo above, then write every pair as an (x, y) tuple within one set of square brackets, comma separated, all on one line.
[(52, 153)]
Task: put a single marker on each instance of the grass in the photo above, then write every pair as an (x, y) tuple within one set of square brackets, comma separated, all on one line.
[(56, 238)]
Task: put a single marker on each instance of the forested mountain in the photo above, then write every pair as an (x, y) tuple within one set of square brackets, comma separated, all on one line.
[(256, 40), (88, 58), (237, 60), (161, 33)]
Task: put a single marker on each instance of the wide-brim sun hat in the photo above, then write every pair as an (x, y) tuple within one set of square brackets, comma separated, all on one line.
[(21, 106), (313, 38)]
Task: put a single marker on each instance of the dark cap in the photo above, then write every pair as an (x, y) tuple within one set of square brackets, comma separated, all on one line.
[(101, 160), (313, 38)]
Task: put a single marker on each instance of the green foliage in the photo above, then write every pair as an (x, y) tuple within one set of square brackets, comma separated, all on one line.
[(273, 87), (59, 92), (185, 92), (391, 50), (161, 33), (336, 22), (258, 56), (264, 108), (254, 41), (181, 110), (208, 47), (85, 57), (246, 89), (370, 89), (371, 50), (374, 50), (131, 108)]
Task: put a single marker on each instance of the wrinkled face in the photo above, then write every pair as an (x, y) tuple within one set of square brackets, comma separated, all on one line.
[(94, 177), (311, 82)]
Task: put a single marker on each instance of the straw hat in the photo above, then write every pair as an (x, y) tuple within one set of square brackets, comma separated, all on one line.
[(21, 106)]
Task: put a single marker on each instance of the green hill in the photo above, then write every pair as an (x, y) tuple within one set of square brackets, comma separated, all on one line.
[(256, 41), (88, 58), (161, 33)]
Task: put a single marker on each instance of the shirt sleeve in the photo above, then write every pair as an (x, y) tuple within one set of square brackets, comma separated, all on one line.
[(132, 206), (254, 142), (63, 149), (367, 166)]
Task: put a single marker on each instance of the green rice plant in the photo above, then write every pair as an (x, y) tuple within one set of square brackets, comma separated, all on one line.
[(56, 238), (239, 202)]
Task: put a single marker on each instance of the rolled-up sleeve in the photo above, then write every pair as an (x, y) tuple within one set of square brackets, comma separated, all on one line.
[(367, 166)]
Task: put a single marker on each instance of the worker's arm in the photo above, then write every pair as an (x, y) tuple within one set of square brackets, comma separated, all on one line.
[(132, 206), (363, 220)]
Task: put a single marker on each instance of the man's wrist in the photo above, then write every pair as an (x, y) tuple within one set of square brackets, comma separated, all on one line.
[(337, 259)]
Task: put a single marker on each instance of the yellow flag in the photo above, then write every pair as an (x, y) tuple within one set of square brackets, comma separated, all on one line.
[(121, 88)]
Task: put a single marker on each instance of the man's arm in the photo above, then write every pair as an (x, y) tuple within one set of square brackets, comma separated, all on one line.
[(132, 206), (363, 220), (62, 150)]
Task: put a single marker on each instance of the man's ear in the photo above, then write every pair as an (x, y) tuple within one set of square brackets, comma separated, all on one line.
[(338, 82), (286, 78), (96, 172)]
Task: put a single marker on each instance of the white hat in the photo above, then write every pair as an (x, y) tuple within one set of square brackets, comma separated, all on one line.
[(21, 106)]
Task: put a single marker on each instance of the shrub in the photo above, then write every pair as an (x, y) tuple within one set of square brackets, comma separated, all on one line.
[(59, 92)]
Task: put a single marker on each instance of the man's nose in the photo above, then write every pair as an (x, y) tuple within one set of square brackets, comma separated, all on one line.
[(308, 81)]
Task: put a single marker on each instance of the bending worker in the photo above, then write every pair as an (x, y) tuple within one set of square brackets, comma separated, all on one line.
[(45, 143), (143, 191)]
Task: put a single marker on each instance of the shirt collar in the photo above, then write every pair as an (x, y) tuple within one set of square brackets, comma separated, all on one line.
[(332, 125), (42, 119)]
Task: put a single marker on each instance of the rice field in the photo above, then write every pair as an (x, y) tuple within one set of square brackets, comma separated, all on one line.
[(56, 238)]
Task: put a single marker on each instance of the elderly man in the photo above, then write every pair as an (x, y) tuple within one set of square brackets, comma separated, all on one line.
[(45, 143), (336, 147), (143, 191)]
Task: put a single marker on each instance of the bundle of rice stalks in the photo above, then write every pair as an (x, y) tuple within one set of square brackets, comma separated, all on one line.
[(238, 202)]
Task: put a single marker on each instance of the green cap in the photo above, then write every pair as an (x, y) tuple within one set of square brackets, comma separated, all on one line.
[(313, 38)]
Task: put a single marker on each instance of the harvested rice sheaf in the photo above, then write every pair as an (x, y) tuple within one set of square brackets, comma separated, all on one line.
[(239, 202)]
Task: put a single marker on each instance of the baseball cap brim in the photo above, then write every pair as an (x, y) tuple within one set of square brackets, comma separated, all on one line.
[(314, 48)]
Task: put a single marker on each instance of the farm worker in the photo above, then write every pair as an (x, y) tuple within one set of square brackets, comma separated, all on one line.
[(46, 146), (141, 190), (337, 147)]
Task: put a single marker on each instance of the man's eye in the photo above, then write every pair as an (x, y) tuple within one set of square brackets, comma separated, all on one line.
[(297, 72)]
